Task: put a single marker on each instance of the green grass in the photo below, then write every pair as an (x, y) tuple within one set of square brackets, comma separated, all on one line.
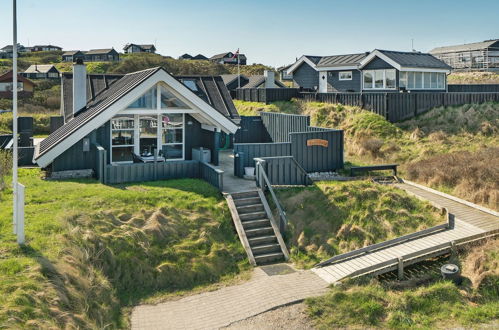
[(335, 217), (93, 249), (456, 136), (361, 303)]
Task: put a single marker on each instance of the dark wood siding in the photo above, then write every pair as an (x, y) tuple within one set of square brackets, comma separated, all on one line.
[(336, 85), (306, 77), (377, 63)]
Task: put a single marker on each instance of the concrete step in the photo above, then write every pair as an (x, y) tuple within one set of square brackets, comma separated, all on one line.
[(251, 224), (266, 249), (247, 201), (252, 216), (246, 194), (268, 258), (259, 240), (263, 231), (250, 208)]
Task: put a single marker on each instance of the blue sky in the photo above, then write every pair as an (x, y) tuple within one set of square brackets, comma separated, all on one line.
[(270, 32)]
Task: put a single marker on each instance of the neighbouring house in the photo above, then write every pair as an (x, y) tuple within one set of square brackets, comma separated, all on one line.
[(283, 73), (42, 71), (135, 119), (185, 57), (44, 48), (228, 58), (72, 56), (102, 55), (200, 57), (304, 72), (93, 55), (376, 71), (25, 87), (136, 48), (267, 80), (7, 51), (477, 56)]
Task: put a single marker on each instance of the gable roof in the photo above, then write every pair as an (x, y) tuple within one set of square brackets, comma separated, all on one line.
[(7, 76), (220, 56), (40, 68), (46, 46), (99, 51), (341, 60), (143, 47), (467, 47), (199, 57), (308, 59), (407, 60), (93, 109), (256, 81), (210, 89), (115, 98), (96, 84), (185, 56)]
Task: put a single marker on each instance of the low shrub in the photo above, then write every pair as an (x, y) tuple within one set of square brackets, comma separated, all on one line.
[(5, 167), (473, 176)]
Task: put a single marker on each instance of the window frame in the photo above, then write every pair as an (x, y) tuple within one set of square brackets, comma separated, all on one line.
[(159, 112), (345, 72), (407, 74), (373, 83)]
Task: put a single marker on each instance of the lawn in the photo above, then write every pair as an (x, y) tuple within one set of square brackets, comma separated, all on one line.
[(94, 249), (436, 304), (330, 218)]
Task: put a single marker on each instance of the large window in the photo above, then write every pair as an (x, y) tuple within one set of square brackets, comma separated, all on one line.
[(122, 138), (379, 79), (422, 80), (146, 101), (172, 136)]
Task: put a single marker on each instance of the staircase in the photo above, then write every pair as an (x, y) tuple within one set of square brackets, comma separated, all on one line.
[(256, 227)]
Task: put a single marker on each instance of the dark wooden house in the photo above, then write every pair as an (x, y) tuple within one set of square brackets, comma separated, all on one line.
[(42, 71), (228, 58), (136, 48)]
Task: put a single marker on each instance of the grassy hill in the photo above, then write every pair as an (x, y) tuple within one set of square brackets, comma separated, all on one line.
[(330, 218), (94, 249), (454, 149), (473, 78)]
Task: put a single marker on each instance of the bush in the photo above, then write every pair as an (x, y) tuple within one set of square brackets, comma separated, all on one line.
[(470, 175)]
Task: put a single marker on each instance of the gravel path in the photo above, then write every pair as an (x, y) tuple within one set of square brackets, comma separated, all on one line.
[(287, 317)]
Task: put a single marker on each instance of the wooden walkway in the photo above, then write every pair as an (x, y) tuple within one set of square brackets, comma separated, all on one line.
[(471, 223)]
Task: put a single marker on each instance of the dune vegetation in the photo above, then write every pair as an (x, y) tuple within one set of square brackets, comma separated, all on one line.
[(93, 250), (436, 304), (464, 138), (330, 218)]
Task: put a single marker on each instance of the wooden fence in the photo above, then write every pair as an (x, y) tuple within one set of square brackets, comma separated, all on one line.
[(266, 95), (400, 106), (283, 170)]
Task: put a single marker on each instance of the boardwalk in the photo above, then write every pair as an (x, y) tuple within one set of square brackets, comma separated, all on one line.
[(471, 223)]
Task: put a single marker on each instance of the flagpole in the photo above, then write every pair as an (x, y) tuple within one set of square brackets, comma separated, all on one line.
[(14, 112)]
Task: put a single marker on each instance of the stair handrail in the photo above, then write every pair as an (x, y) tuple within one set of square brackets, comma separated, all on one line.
[(264, 183)]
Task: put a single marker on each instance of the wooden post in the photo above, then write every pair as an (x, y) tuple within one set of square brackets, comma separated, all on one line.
[(400, 268), (453, 249), (451, 221)]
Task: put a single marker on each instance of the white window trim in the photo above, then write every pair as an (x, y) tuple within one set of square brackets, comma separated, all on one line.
[(343, 72), (423, 87), (374, 80)]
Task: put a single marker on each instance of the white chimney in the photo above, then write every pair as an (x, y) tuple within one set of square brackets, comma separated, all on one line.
[(79, 85), (269, 79)]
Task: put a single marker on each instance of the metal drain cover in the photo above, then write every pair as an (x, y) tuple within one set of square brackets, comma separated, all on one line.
[(277, 269)]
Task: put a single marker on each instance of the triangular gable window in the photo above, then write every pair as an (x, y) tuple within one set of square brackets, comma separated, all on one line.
[(147, 101), (169, 100)]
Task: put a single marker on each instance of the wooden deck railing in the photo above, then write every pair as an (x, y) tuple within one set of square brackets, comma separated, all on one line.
[(212, 175), (263, 182), (392, 242)]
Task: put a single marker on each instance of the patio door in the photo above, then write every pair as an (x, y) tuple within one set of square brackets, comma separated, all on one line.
[(148, 134), (322, 81)]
